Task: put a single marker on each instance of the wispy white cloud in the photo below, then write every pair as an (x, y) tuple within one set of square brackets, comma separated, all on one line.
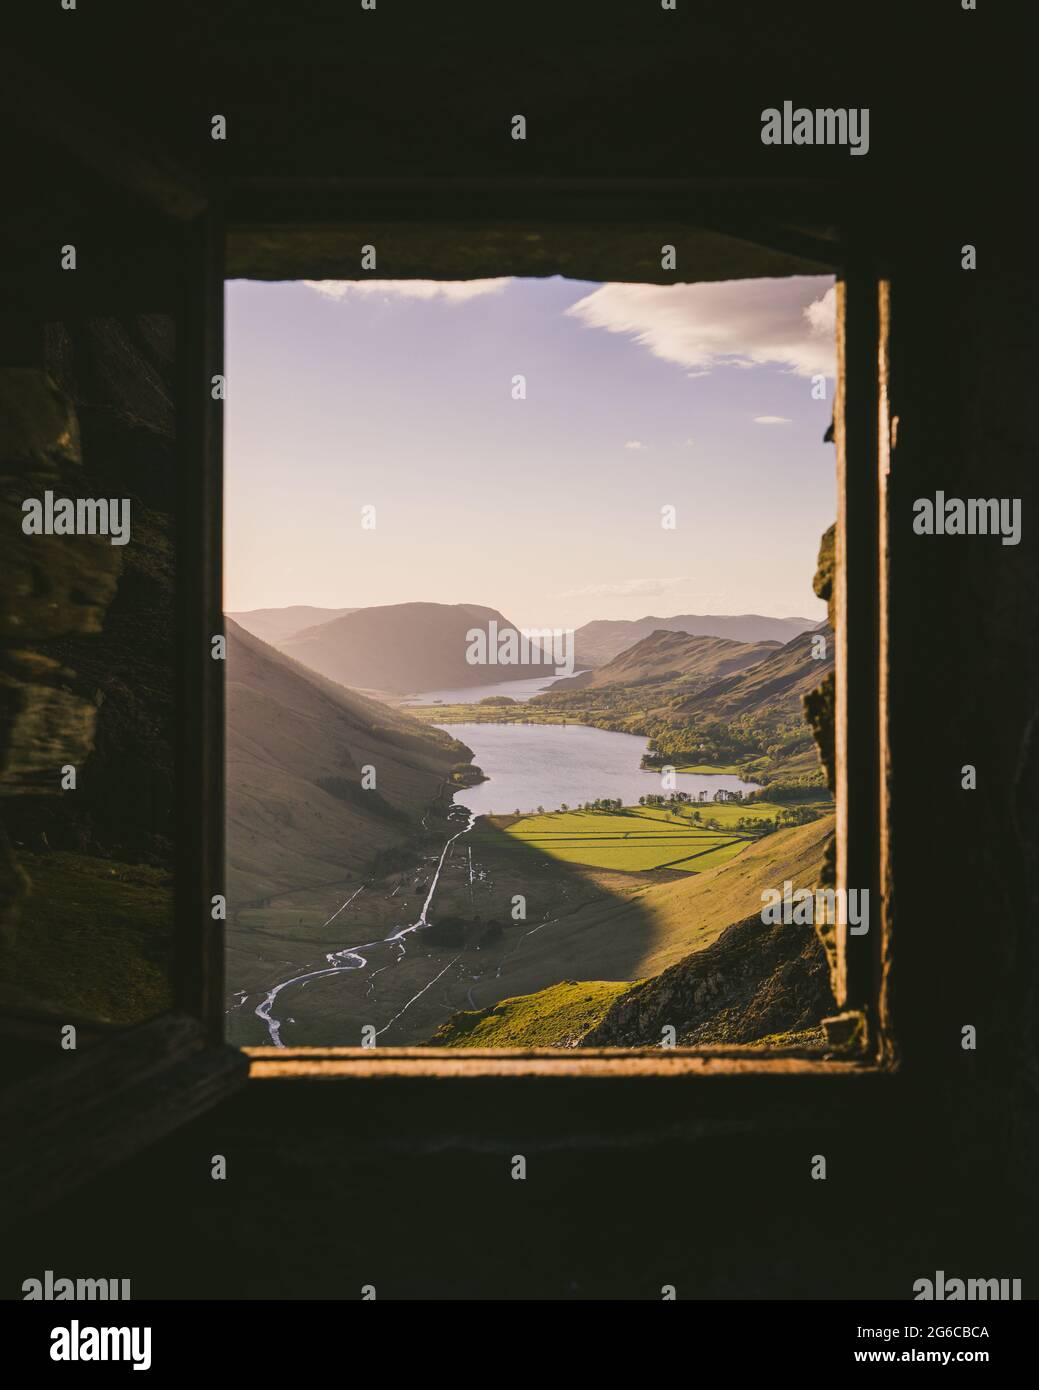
[(787, 323), (772, 420), (634, 444), (454, 291)]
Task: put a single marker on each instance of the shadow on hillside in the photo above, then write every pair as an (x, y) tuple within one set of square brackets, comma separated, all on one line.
[(578, 920)]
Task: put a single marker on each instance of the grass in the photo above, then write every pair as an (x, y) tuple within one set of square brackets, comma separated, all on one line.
[(626, 841), (555, 1017), (95, 937)]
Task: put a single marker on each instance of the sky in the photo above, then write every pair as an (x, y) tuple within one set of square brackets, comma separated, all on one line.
[(399, 396)]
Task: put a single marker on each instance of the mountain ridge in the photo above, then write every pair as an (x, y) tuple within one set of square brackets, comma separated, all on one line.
[(667, 654), (604, 638), (275, 625)]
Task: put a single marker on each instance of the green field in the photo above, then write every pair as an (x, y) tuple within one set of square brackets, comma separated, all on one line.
[(630, 841)]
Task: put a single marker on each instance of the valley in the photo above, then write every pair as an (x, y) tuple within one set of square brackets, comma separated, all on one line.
[(515, 868)]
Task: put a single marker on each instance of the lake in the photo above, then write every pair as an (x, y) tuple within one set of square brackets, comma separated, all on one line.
[(531, 765), (471, 694)]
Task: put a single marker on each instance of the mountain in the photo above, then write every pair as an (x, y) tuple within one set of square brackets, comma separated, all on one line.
[(297, 814), (276, 624), (776, 683), (405, 647), (668, 655), (599, 641)]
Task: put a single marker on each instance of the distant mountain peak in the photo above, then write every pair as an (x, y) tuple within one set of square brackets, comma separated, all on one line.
[(407, 647)]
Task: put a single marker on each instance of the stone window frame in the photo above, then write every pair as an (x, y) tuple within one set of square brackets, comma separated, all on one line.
[(254, 249)]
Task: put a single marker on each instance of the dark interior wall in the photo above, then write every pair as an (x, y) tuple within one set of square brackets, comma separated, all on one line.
[(705, 1183), (965, 690)]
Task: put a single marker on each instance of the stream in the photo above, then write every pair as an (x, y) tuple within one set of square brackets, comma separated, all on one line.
[(350, 958)]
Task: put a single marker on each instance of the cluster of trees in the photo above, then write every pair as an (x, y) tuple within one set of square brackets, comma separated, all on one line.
[(686, 798), (751, 742), (765, 825), (786, 791), (604, 803)]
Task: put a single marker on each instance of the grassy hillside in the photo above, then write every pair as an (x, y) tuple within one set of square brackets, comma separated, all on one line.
[(671, 656), (559, 1016), (755, 982), (297, 814), (632, 929), (405, 647), (688, 911)]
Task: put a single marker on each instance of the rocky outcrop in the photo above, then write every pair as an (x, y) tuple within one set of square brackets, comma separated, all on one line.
[(754, 982)]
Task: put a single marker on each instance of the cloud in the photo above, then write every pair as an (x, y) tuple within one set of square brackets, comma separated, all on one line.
[(454, 291), (771, 420), (746, 323), (634, 444), (628, 588)]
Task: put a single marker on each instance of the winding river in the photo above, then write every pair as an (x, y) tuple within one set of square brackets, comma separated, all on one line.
[(350, 958), (528, 765)]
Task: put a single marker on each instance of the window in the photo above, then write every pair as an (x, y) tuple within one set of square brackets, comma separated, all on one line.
[(475, 796)]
